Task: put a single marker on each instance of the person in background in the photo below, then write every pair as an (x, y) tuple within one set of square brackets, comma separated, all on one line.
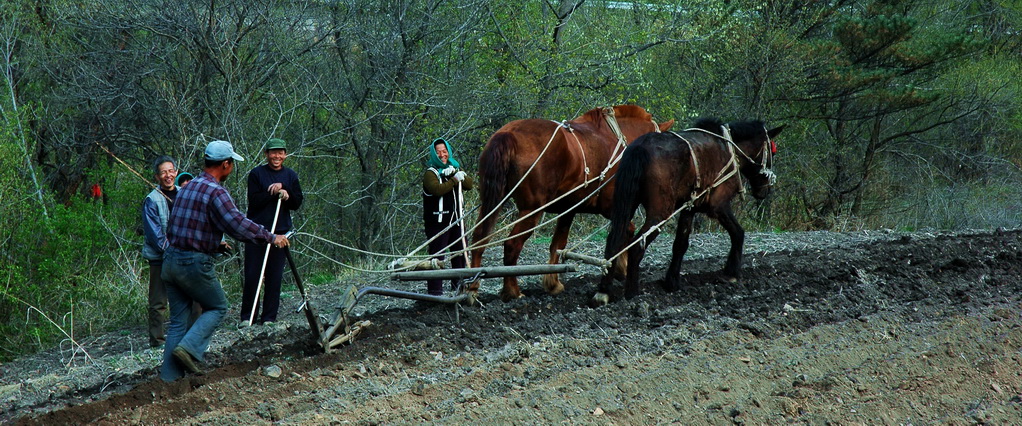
[(440, 207), (183, 178), (267, 184), (155, 212), (203, 212)]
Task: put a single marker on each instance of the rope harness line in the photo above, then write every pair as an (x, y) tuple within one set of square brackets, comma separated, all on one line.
[(585, 165), (541, 209), (615, 158)]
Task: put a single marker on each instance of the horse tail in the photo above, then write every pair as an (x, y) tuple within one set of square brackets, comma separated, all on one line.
[(627, 186), (496, 163)]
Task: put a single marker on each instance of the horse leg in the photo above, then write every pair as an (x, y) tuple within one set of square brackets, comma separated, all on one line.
[(619, 269), (480, 237), (734, 257), (681, 241), (602, 296), (552, 282), (635, 254), (513, 250), (476, 257)]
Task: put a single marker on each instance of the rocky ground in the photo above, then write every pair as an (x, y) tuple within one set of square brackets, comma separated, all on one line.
[(823, 328)]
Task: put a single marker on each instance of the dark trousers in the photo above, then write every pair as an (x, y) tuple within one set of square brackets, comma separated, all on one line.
[(271, 284), (453, 235), (157, 312)]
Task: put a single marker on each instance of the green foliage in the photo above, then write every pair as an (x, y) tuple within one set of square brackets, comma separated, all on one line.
[(75, 265), (64, 267)]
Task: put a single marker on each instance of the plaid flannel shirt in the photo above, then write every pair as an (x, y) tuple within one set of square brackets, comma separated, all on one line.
[(203, 212)]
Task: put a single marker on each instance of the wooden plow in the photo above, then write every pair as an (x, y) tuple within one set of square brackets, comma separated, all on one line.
[(340, 329)]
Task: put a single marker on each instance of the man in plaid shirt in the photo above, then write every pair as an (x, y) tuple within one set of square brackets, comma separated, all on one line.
[(203, 212)]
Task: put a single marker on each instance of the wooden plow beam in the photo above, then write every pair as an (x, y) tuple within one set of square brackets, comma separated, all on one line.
[(340, 330), (591, 260), (483, 272)]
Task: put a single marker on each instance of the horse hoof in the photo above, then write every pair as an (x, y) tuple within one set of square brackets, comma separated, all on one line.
[(554, 289), (669, 286), (472, 298), (552, 284), (508, 296), (599, 299)]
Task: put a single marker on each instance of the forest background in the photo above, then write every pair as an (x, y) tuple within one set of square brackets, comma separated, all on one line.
[(901, 114)]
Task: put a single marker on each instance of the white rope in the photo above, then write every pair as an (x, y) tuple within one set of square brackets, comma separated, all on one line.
[(585, 165), (541, 224), (512, 191), (616, 156), (352, 267)]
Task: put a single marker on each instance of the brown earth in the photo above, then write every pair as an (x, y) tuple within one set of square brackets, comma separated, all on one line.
[(823, 328)]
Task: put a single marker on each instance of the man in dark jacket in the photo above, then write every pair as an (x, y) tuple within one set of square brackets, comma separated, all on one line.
[(267, 184)]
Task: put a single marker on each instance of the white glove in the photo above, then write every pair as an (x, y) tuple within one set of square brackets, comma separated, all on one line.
[(448, 171), (460, 176)]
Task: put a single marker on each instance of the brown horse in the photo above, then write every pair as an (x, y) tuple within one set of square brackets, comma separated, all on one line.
[(573, 153), (699, 170)]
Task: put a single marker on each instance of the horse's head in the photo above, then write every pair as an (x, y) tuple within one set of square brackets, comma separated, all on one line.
[(756, 149)]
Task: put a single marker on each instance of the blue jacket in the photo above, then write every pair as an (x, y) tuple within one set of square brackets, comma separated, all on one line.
[(155, 214)]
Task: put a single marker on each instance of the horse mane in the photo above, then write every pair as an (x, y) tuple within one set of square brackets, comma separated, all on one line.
[(628, 111), (740, 130), (596, 116), (710, 124), (745, 130)]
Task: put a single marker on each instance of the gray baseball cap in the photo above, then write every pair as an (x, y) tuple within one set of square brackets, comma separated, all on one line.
[(221, 150)]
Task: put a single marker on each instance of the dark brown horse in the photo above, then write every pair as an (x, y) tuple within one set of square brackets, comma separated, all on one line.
[(699, 170), (576, 152)]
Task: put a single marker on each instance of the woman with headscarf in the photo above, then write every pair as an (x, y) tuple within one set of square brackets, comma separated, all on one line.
[(441, 183), (183, 178)]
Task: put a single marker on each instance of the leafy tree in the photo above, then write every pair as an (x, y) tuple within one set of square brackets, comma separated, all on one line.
[(877, 94)]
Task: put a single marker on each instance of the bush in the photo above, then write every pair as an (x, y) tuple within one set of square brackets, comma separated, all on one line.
[(70, 270)]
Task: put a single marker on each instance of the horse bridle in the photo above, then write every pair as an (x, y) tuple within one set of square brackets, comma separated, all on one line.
[(767, 154)]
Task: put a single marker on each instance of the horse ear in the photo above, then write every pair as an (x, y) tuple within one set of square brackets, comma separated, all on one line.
[(776, 131), (666, 125)]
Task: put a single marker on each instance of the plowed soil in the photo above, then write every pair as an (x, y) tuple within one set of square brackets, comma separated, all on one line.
[(838, 328)]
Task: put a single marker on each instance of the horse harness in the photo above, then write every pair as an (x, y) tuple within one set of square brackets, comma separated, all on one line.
[(622, 142), (731, 168)]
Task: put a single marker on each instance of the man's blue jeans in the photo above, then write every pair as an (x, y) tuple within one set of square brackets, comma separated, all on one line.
[(189, 277)]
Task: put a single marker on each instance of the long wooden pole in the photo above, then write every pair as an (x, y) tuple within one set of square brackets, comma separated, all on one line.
[(485, 272)]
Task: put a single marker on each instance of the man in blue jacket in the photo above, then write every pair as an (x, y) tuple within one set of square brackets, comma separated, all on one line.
[(155, 212)]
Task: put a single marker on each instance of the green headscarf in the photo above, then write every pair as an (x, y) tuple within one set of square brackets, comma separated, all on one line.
[(435, 162)]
